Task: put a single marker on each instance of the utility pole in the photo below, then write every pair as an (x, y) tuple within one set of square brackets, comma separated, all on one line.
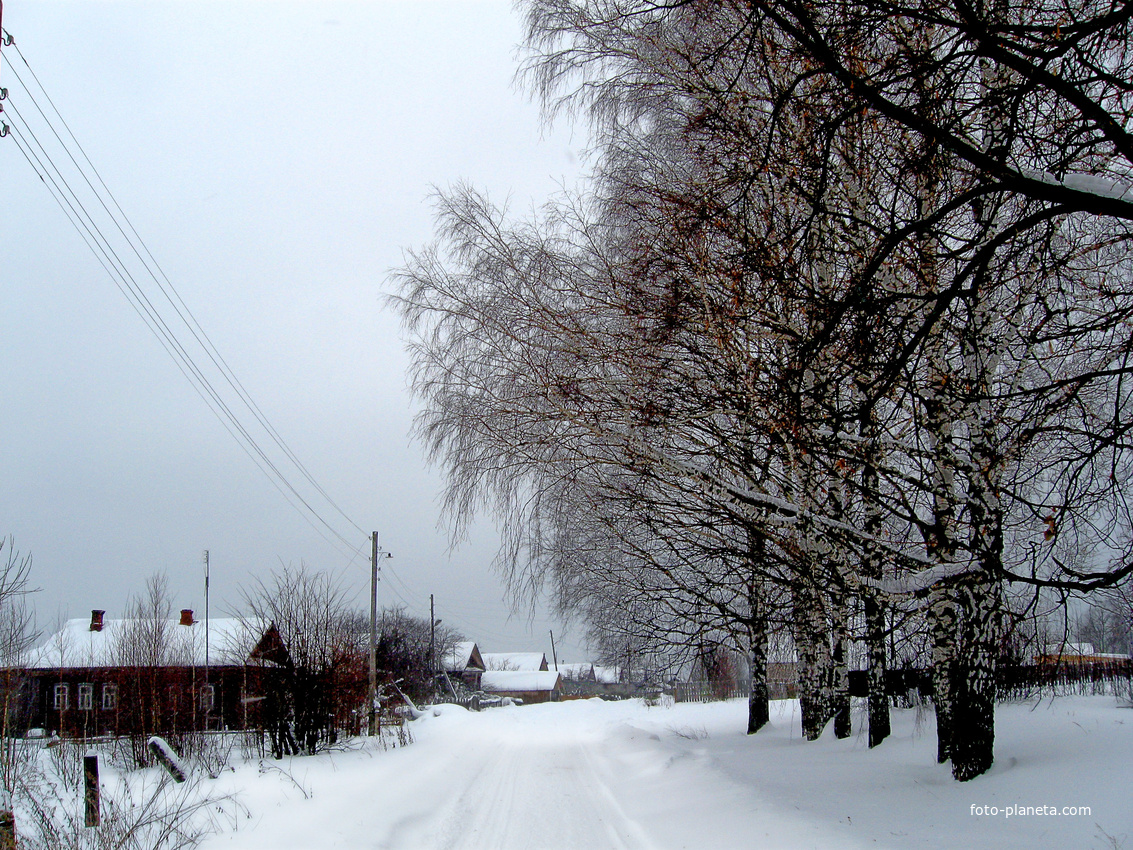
[(554, 654), (373, 689), (206, 616), (432, 642)]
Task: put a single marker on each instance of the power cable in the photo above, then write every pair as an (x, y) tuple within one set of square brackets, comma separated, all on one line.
[(163, 328), (92, 234), (175, 300), (111, 263)]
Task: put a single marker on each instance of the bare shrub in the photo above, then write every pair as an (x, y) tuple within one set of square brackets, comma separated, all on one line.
[(140, 809)]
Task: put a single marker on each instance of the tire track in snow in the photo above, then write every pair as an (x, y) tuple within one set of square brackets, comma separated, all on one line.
[(524, 794)]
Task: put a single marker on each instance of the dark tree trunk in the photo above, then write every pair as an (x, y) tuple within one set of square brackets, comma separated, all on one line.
[(758, 701), (840, 635), (879, 727), (878, 699)]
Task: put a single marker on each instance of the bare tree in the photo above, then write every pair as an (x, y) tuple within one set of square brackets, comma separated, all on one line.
[(411, 653), (841, 288), (313, 675), (17, 634)]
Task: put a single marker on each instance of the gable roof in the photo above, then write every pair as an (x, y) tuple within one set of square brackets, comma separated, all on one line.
[(231, 640), (515, 661), (464, 655), (577, 671)]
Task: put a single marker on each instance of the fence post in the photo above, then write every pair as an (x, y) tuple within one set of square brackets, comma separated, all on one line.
[(168, 759), (91, 797)]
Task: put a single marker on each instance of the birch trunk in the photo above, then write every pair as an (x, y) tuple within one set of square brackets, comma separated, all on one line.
[(758, 700), (943, 627), (814, 663), (979, 592), (973, 739), (878, 699), (840, 637)]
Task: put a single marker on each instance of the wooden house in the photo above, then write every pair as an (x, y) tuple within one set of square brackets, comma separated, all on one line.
[(576, 671), (464, 662), (122, 677), (516, 661), (530, 686), (1078, 655)]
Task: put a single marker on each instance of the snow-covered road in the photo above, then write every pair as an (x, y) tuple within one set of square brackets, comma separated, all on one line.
[(592, 775), (501, 794), (556, 776)]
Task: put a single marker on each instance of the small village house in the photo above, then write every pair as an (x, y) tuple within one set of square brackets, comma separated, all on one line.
[(530, 686), (515, 661), (464, 662), (129, 676)]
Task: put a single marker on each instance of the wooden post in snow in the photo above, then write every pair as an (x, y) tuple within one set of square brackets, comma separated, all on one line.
[(91, 797), (164, 754)]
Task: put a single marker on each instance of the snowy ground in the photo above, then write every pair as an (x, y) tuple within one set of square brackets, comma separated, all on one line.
[(623, 775)]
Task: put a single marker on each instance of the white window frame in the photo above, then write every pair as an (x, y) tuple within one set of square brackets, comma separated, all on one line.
[(62, 696), (109, 696), (208, 698), (86, 696)]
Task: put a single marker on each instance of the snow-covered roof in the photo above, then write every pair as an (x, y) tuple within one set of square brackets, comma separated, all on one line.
[(582, 671), (515, 661), (1072, 649), (496, 681), (607, 675), (230, 640), (464, 655)]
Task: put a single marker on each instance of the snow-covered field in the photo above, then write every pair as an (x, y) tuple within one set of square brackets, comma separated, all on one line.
[(595, 775)]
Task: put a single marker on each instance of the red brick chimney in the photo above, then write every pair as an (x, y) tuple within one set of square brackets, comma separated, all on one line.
[(96, 620), (187, 617)]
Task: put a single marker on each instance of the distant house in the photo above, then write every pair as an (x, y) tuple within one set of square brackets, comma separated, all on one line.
[(126, 676), (515, 661), (1077, 655), (586, 679), (464, 662), (531, 686), (576, 671)]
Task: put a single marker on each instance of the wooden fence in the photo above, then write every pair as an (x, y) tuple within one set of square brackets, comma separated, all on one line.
[(913, 685)]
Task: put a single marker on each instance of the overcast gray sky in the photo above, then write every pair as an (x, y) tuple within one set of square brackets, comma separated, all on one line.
[(276, 158)]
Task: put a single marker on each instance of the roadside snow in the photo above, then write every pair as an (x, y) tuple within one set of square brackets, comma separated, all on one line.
[(593, 774)]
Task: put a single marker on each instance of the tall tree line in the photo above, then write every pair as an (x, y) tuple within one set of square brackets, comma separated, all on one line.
[(836, 341)]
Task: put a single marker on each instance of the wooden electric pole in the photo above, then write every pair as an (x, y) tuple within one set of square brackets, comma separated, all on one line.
[(373, 689), (206, 617)]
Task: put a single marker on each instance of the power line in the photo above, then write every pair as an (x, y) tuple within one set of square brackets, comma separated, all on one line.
[(165, 284), (76, 211)]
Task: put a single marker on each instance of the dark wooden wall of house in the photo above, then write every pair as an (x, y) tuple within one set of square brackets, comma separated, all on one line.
[(150, 701)]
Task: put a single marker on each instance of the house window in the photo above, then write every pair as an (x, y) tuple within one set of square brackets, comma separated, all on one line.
[(109, 697), (86, 696), (62, 697), (208, 697)]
